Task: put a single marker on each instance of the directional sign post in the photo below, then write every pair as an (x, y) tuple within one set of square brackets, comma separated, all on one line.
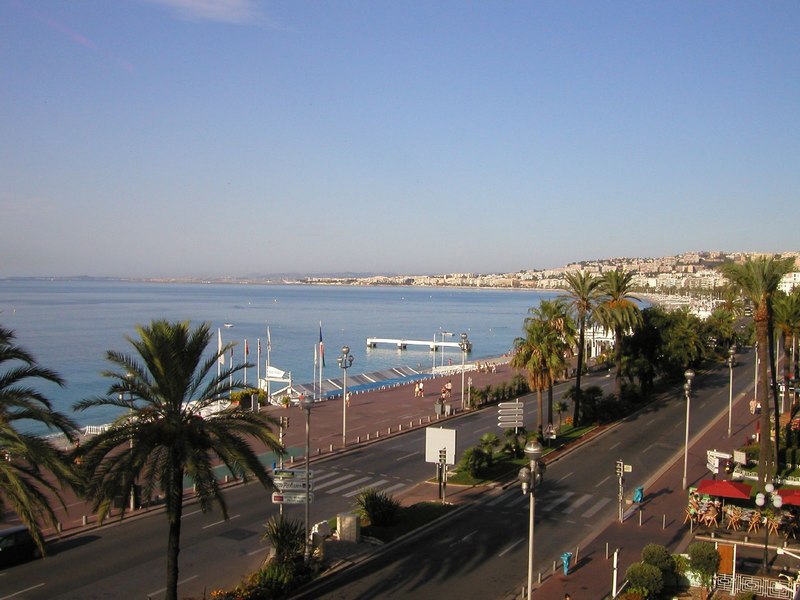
[(285, 485), (291, 497), (509, 414)]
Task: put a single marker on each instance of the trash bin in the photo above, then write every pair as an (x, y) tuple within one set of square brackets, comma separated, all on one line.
[(438, 408), (565, 558), (638, 494), (448, 410)]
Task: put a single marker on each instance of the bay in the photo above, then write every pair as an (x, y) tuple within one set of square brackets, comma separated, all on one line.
[(69, 325)]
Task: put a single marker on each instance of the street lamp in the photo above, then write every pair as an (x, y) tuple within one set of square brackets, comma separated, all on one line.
[(128, 379), (731, 354), (687, 388), (769, 497), (345, 362), (464, 344), (306, 403), (527, 477)]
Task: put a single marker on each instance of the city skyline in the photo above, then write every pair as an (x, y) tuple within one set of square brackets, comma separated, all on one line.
[(186, 138)]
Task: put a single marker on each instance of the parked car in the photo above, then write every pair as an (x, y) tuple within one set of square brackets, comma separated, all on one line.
[(17, 545)]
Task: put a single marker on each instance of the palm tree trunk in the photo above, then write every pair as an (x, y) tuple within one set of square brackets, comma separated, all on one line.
[(550, 403), (766, 461), (775, 401), (618, 362), (540, 406), (576, 398), (174, 514)]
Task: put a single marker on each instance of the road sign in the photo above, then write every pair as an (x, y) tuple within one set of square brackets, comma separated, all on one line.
[(291, 474), (713, 465), (510, 411), (629, 468), (510, 405), (509, 414), (716, 454), (292, 484), (291, 497)]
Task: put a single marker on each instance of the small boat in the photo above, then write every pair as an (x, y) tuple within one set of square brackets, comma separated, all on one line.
[(228, 325)]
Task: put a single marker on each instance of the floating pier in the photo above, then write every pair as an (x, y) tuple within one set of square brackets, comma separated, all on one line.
[(402, 344)]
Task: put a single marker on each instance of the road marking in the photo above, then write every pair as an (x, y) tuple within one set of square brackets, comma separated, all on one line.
[(347, 485), (21, 591), (219, 523), (560, 500), (582, 500), (195, 512), (259, 551), (335, 481), (162, 590), (464, 539), (511, 547), (602, 481), (596, 508), (359, 490), (564, 477), (407, 456), (318, 478), (518, 499), (615, 445), (396, 486), (501, 498)]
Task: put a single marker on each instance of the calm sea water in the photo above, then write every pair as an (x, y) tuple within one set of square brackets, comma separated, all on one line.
[(69, 325)]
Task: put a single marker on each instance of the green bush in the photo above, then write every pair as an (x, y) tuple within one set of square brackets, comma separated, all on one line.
[(645, 579), (703, 560), (474, 460), (380, 508), (658, 556), (286, 536)]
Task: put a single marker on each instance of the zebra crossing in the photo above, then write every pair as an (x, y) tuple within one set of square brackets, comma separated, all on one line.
[(349, 485), (584, 506)]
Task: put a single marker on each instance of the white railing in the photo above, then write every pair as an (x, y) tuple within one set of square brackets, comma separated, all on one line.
[(760, 586)]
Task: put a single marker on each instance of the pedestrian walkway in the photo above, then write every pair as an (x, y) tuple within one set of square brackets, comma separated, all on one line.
[(658, 520)]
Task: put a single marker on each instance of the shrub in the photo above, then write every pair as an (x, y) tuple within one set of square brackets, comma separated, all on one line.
[(658, 556), (645, 579), (286, 536), (703, 560), (474, 460), (380, 508)]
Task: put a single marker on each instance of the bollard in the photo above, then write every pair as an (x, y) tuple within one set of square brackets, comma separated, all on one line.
[(389, 431), (58, 527), (664, 522), (420, 420), (640, 517), (540, 578), (331, 450), (400, 427), (291, 460), (367, 437), (84, 521), (410, 424), (606, 550), (319, 451), (377, 434), (555, 566), (226, 479), (358, 439), (429, 418), (577, 551)]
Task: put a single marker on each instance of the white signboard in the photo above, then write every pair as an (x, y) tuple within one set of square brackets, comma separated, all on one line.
[(292, 484), (291, 474), (291, 497), (438, 438)]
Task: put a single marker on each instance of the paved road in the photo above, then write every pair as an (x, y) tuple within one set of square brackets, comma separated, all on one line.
[(482, 552)]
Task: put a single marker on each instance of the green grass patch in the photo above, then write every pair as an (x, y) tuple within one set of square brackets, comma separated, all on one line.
[(411, 517)]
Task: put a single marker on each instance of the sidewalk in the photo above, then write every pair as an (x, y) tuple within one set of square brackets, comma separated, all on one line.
[(662, 514)]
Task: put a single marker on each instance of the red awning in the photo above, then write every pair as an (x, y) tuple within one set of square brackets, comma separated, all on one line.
[(790, 496), (725, 489)]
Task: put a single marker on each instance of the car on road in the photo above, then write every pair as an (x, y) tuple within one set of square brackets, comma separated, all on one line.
[(17, 545)]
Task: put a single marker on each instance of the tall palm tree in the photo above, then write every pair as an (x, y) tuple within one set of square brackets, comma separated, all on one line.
[(166, 433), (758, 280), (787, 321), (617, 312), (582, 294), (26, 459), (555, 314)]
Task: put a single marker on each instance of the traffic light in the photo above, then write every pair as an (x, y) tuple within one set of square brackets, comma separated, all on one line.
[(620, 468), (443, 456), (285, 422)]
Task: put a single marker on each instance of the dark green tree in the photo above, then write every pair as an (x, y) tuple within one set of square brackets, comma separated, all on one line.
[(169, 429)]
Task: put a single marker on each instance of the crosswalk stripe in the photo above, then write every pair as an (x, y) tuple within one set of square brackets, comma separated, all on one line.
[(501, 498), (334, 482), (394, 487), (347, 485), (378, 483), (517, 498), (327, 475), (580, 501), (560, 500), (592, 511)]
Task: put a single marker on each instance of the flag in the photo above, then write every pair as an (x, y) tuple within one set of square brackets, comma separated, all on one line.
[(269, 341), (221, 358), (246, 350), (321, 346)]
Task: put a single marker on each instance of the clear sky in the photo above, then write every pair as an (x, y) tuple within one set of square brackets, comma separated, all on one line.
[(246, 137)]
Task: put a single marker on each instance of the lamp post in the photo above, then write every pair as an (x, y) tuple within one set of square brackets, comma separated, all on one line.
[(464, 345), (345, 361), (128, 379), (769, 496), (527, 477), (731, 354), (687, 388), (306, 403)]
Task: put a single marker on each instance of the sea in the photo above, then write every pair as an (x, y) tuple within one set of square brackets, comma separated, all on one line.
[(68, 325)]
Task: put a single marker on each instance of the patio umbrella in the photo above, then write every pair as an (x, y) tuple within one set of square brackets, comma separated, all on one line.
[(725, 489), (790, 496)]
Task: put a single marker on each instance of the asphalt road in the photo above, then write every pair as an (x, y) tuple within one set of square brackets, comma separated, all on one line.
[(482, 552)]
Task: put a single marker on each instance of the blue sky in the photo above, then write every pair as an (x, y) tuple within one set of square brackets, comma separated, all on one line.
[(239, 137)]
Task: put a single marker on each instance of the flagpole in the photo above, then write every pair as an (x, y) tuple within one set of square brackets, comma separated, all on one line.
[(258, 363), (245, 363), (269, 348)]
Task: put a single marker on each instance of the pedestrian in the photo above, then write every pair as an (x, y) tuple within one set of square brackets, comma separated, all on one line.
[(758, 407), (753, 406), (421, 389), (416, 390)]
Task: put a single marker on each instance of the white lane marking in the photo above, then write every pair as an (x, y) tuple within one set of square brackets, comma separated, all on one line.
[(347, 485), (371, 485), (220, 523), (33, 587), (501, 498), (564, 477), (560, 500), (318, 487), (600, 504), (394, 487), (518, 499), (194, 512), (602, 481), (162, 590), (511, 547), (407, 456), (464, 539), (582, 500), (327, 475), (615, 445)]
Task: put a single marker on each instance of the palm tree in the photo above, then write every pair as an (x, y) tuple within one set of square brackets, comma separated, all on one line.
[(758, 280), (166, 433), (488, 442), (582, 294), (25, 459), (617, 312), (787, 321)]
